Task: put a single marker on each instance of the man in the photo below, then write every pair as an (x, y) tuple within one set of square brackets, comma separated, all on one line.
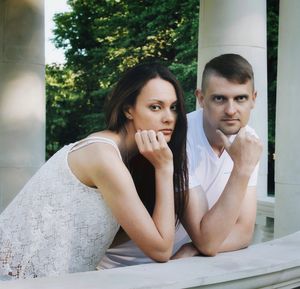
[(223, 153)]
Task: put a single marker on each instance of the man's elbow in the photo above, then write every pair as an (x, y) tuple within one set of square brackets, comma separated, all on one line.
[(247, 240), (207, 250), (247, 236)]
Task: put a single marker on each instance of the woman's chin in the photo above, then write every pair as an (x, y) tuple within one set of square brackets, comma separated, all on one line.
[(168, 138)]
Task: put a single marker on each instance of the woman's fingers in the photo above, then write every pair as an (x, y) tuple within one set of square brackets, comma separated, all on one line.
[(154, 147), (149, 140), (161, 139)]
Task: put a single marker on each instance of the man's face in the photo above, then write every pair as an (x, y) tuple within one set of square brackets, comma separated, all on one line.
[(226, 105)]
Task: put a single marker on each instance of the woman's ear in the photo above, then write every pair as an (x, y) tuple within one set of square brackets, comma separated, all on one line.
[(127, 112)]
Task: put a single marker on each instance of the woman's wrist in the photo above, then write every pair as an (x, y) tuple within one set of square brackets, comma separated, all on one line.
[(166, 169)]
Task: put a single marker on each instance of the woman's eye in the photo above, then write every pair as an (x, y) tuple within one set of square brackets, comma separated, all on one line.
[(174, 107), (154, 107)]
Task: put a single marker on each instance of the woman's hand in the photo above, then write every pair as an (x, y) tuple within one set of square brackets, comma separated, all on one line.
[(154, 147)]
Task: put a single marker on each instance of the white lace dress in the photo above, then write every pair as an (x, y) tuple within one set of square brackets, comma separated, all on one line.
[(56, 224)]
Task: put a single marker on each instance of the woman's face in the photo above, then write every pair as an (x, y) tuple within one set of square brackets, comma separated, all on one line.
[(155, 108)]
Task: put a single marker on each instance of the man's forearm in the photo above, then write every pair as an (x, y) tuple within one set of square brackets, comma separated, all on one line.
[(218, 222)]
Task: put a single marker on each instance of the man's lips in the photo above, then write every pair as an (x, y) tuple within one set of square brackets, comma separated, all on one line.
[(230, 120)]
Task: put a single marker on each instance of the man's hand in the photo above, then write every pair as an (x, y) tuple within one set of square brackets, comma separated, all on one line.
[(186, 250), (245, 150)]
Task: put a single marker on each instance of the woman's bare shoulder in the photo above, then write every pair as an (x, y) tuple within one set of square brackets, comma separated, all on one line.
[(94, 160)]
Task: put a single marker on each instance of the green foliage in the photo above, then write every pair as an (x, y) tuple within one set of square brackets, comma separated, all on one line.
[(187, 76), (103, 39), (59, 91), (66, 110)]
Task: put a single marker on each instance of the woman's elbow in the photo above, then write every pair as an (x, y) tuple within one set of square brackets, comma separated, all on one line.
[(161, 256)]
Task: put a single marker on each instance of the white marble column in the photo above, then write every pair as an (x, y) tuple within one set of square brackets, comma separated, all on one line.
[(22, 94), (287, 150), (235, 26)]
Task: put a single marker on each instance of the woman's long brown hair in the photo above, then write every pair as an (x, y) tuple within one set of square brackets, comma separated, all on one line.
[(125, 94)]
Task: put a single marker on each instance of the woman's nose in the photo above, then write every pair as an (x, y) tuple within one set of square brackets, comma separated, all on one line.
[(169, 115)]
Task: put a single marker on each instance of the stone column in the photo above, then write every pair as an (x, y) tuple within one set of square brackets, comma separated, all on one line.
[(22, 94), (287, 152), (235, 26)]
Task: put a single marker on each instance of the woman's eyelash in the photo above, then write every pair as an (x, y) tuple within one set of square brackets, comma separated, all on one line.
[(154, 106)]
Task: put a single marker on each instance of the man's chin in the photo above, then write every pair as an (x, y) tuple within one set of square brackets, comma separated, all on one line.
[(229, 131)]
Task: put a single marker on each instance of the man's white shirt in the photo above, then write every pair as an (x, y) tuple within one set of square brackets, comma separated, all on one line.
[(206, 169)]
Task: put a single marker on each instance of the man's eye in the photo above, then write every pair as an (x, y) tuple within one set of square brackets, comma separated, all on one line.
[(242, 98), (218, 98), (154, 107)]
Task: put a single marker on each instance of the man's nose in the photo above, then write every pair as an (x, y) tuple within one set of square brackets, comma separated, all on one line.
[(230, 108)]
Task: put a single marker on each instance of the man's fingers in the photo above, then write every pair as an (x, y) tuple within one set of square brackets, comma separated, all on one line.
[(224, 139)]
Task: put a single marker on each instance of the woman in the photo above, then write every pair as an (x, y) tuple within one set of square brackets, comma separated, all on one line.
[(67, 215)]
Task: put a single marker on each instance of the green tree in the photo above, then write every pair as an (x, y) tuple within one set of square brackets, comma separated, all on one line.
[(65, 104)]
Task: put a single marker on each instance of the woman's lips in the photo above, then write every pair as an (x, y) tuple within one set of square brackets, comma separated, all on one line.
[(166, 131)]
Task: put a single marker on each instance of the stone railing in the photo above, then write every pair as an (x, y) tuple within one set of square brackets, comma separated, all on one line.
[(273, 264)]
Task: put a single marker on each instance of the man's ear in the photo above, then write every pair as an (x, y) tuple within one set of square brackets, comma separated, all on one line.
[(200, 97), (254, 95), (127, 112)]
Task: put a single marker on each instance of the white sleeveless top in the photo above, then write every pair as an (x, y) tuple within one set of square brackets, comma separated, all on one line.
[(56, 224)]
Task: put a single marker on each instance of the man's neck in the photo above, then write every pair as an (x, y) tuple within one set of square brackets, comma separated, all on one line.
[(213, 139)]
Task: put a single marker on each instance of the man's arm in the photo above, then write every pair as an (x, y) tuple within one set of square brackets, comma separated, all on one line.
[(238, 236), (242, 232), (209, 229), (233, 215)]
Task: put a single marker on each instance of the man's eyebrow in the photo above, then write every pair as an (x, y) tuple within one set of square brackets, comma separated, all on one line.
[(242, 95), (217, 94), (223, 95)]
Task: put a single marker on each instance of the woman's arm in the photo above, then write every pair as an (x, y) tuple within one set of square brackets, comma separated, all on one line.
[(154, 235)]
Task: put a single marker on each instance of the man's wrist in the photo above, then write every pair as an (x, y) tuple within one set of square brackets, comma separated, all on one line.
[(242, 172)]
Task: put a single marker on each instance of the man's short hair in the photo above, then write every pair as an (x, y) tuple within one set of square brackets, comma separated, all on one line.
[(233, 67)]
